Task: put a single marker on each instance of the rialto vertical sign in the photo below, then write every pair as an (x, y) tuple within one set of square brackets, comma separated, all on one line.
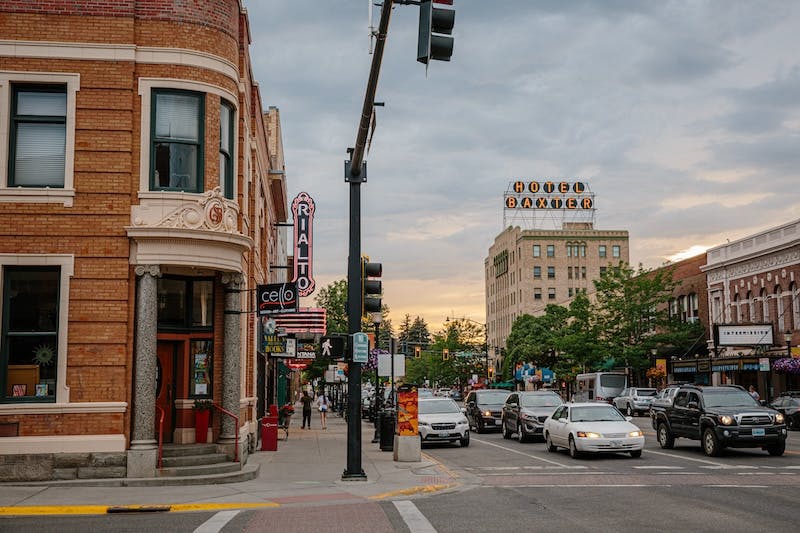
[(303, 211)]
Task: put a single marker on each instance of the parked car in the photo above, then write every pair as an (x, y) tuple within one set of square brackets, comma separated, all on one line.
[(524, 413), (788, 404), (424, 393), (592, 427), (485, 409), (457, 395), (442, 420), (633, 400), (719, 417)]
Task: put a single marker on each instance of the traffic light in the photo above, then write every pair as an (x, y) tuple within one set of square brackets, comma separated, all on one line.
[(445, 354), (491, 372), (417, 352), (436, 20), (370, 288)]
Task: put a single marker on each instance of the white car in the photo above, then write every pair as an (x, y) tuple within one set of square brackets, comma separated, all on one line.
[(592, 427), (442, 420)]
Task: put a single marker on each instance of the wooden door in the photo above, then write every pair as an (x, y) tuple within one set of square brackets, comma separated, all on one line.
[(165, 383)]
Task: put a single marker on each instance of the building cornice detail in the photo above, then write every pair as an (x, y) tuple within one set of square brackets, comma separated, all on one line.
[(754, 266)]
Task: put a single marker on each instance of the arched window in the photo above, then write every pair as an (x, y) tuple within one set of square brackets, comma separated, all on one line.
[(682, 307), (793, 290), (735, 309), (764, 306), (751, 307), (780, 309), (693, 307)]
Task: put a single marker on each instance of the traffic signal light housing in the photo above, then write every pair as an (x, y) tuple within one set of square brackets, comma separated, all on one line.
[(436, 21), (445, 354), (417, 352), (370, 288)]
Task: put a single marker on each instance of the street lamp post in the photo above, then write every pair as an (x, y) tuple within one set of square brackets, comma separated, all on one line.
[(376, 321)]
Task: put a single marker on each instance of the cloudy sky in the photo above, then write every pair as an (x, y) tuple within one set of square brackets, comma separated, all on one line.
[(682, 116)]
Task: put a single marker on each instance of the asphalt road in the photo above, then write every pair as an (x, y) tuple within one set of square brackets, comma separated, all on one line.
[(504, 485)]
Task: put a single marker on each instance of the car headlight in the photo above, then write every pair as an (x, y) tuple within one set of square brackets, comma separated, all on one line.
[(463, 421), (487, 413), (779, 418), (526, 416), (588, 435), (726, 420), (635, 433)]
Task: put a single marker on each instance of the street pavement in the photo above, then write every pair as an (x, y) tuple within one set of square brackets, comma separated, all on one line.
[(306, 469)]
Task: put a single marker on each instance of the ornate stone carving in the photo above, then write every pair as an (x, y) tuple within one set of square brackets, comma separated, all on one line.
[(232, 278), (759, 264), (212, 211), (153, 270)]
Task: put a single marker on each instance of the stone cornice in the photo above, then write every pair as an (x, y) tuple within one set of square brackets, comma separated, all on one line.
[(754, 266)]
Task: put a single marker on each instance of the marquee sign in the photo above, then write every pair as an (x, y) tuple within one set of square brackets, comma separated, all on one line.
[(744, 335), (549, 195), (303, 210)]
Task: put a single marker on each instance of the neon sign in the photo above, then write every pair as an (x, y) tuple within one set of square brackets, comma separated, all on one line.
[(549, 195), (303, 210)]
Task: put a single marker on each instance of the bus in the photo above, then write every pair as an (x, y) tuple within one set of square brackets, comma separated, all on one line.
[(599, 386)]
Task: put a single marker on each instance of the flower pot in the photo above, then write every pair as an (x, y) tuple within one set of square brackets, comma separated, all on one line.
[(201, 418)]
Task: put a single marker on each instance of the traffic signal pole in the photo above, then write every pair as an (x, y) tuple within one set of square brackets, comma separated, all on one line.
[(355, 174)]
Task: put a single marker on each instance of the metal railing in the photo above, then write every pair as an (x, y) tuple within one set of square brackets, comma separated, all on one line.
[(236, 420), (160, 435)]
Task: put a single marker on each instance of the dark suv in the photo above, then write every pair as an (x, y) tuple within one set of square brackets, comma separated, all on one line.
[(720, 417), (485, 409)]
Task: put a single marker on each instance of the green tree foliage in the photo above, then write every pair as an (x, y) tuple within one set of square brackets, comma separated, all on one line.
[(633, 316), (465, 341), (412, 333), (333, 298)]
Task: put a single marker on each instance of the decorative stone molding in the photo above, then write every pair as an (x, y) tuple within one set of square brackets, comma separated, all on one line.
[(235, 279), (211, 211), (153, 270), (755, 266)]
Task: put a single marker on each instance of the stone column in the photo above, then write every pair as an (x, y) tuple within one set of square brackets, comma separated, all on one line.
[(142, 455), (231, 392)]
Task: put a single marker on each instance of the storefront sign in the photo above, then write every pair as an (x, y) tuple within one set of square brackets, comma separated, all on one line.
[(306, 351), (763, 364), (744, 335), (303, 210), (276, 298), (728, 367)]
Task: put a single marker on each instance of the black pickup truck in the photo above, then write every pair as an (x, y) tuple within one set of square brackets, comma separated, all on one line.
[(719, 417)]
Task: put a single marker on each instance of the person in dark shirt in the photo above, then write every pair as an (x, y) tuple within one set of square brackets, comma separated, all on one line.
[(306, 401)]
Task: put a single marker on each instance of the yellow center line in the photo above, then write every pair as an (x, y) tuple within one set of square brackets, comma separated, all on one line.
[(105, 509)]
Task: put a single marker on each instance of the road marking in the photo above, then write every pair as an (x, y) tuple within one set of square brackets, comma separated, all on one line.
[(718, 465), (737, 486), (413, 490), (593, 485), (414, 519), (105, 509), (656, 467), (216, 522), (528, 455)]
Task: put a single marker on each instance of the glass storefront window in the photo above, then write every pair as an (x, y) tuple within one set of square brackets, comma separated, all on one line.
[(202, 303)]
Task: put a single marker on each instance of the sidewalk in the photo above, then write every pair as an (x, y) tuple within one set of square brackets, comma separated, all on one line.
[(307, 468)]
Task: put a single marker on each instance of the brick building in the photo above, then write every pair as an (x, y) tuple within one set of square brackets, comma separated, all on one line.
[(756, 281), (528, 269), (140, 184)]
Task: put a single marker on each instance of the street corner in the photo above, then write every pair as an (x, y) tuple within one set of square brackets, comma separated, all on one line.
[(418, 490)]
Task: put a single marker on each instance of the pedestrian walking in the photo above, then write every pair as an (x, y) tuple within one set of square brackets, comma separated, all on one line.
[(754, 393), (324, 404), (306, 400)]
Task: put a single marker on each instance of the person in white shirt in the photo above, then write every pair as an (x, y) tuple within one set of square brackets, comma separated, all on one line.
[(324, 404)]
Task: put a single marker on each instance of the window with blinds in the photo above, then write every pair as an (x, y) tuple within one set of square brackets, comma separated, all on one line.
[(226, 149), (177, 141), (38, 136)]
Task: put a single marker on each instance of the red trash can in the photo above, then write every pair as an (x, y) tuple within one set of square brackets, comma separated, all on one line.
[(269, 434)]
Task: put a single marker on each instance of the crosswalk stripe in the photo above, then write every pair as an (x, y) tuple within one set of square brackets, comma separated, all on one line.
[(414, 519)]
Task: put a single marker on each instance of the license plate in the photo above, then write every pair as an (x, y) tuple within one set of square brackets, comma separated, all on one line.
[(497, 422), (616, 443), (758, 432)]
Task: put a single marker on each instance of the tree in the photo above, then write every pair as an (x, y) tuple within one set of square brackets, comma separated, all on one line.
[(631, 312), (333, 298), (412, 334)]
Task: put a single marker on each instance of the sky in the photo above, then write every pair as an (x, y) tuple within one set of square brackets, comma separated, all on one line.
[(683, 117)]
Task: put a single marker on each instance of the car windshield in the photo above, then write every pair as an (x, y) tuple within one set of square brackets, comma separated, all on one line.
[(491, 397), (539, 400), (645, 392), (437, 407), (601, 413), (728, 398)]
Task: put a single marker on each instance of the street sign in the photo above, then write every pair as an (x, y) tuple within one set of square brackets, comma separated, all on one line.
[(360, 347)]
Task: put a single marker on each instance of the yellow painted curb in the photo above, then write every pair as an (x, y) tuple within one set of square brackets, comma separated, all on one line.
[(410, 491), (106, 509)]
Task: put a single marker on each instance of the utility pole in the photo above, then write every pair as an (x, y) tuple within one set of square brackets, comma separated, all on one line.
[(355, 175)]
